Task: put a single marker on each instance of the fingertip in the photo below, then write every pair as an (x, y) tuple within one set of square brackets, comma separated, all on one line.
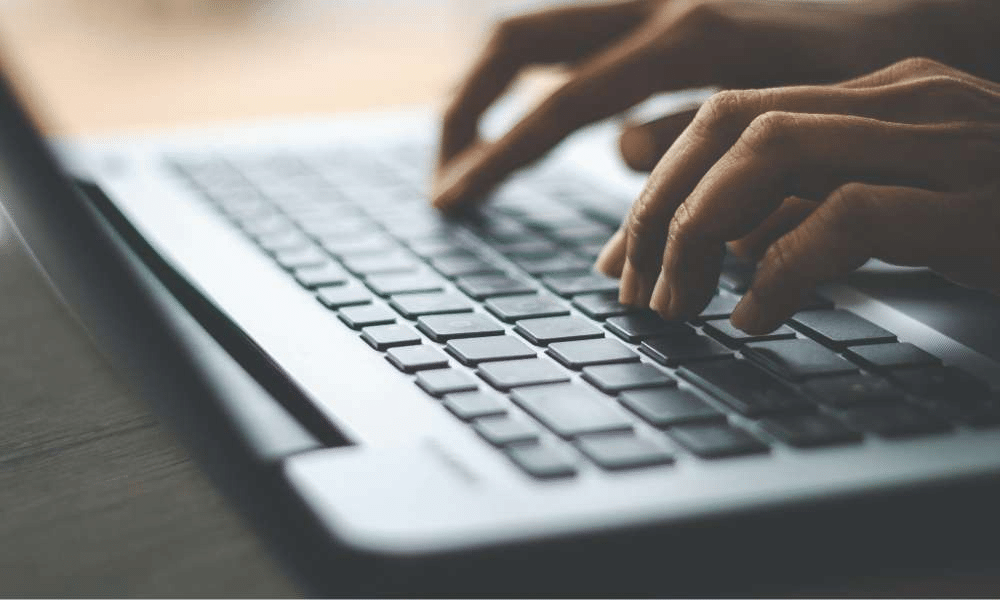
[(638, 148), (611, 260)]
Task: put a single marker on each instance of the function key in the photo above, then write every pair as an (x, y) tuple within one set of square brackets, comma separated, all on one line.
[(840, 328), (601, 306), (612, 379), (892, 356), (542, 461), (807, 431), (542, 332), (724, 331), (585, 353), (683, 347), (515, 308), (798, 359), (745, 387), (624, 451), (641, 325), (509, 374), (411, 359), (670, 406), (716, 440)]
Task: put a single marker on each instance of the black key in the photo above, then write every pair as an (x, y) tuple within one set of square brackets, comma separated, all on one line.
[(510, 374), (542, 461), (571, 410), (641, 325), (571, 285), (474, 405), (303, 256), (404, 283), (601, 306), (343, 295), (501, 431), (412, 306), (458, 266), (807, 431), (717, 440), (798, 359), (383, 337), (321, 275), (585, 353), (557, 329), (374, 264), (670, 406), (514, 308), (947, 392), (411, 359), (892, 356), (357, 317), (439, 382), (442, 328), (840, 328), (612, 379), (892, 420), (473, 351), (624, 451), (745, 387), (736, 275), (683, 347), (719, 307), (552, 263), (853, 390), (481, 287), (723, 330)]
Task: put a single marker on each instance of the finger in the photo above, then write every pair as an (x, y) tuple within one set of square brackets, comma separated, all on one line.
[(788, 216), (643, 144), (785, 154), (916, 68), (551, 36), (611, 260), (725, 117), (905, 226)]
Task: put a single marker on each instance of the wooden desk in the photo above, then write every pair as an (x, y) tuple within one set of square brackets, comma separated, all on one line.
[(96, 498)]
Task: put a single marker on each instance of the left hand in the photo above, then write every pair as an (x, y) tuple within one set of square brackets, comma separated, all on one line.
[(902, 165)]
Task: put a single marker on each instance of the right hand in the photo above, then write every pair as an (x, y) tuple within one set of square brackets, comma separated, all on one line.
[(622, 52)]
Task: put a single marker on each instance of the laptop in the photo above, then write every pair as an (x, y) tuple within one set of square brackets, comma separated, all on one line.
[(405, 403)]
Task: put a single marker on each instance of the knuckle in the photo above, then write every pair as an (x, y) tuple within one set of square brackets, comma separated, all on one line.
[(780, 266), (919, 65), (726, 112), (772, 130), (850, 206), (704, 16), (682, 228)]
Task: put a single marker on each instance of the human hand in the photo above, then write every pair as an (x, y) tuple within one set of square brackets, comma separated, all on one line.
[(900, 165), (621, 53)]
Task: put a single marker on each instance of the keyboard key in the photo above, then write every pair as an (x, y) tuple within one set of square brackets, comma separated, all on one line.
[(501, 431), (342, 247), (357, 317), (553, 263), (542, 332), (510, 374), (601, 306), (481, 287), (458, 266), (624, 451), (798, 359), (725, 332), (853, 390), (892, 356), (585, 353), (542, 461), (474, 405), (641, 325), (612, 379), (683, 347), (670, 406), (303, 256), (570, 285), (716, 440), (442, 328), (445, 381), (745, 387), (343, 295), (892, 420), (428, 247), (383, 337), (736, 275), (840, 328), (404, 283), (321, 275), (524, 247), (411, 359), (473, 351), (719, 307), (412, 306), (807, 431), (571, 410), (373, 264), (514, 308), (948, 392), (283, 240)]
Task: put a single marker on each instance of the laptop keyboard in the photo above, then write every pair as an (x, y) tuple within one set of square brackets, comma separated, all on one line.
[(497, 316)]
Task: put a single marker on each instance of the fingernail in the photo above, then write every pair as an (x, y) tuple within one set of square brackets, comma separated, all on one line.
[(627, 288), (747, 315)]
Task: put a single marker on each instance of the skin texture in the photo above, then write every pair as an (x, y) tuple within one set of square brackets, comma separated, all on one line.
[(829, 146)]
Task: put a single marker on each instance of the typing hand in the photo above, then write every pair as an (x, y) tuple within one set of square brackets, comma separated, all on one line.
[(620, 53), (901, 165)]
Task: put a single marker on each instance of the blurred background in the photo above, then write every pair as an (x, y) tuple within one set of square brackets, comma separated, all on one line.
[(101, 65)]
